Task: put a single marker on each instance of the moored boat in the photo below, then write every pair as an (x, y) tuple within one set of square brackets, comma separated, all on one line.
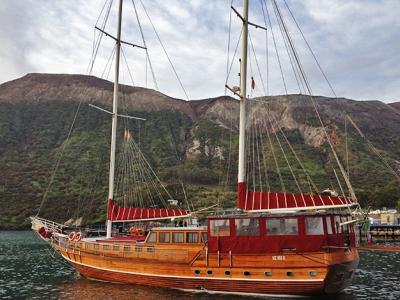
[(274, 243)]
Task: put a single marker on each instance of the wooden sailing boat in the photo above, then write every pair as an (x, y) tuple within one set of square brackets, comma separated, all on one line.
[(276, 243)]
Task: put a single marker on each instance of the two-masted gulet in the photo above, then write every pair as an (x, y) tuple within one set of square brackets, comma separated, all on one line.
[(274, 243)]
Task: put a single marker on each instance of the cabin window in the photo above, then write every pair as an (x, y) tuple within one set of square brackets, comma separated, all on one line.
[(138, 248), (152, 237), (96, 246), (106, 247), (288, 226), (192, 237), (127, 248), (163, 237), (115, 247), (328, 225), (87, 246), (220, 227), (338, 228), (204, 237), (314, 226), (151, 249), (247, 227), (177, 237), (268, 273)]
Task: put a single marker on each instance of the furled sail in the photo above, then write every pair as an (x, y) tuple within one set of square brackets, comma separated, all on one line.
[(279, 201), (123, 213)]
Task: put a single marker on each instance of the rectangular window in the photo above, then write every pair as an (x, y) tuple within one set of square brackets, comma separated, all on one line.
[(115, 248), (177, 237), (163, 237), (284, 226), (328, 225), (220, 228), (96, 246), (314, 226), (152, 237), (338, 228), (106, 247), (138, 248), (192, 237), (127, 248), (88, 246), (247, 227), (204, 237), (151, 249)]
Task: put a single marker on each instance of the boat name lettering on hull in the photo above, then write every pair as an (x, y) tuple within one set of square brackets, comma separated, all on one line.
[(278, 257)]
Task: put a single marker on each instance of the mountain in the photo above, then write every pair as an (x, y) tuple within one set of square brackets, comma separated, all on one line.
[(190, 141)]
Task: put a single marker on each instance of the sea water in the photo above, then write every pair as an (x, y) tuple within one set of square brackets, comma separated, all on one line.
[(29, 269)]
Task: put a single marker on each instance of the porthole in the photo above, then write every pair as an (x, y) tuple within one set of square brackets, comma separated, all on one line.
[(246, 273), (197, 272), (209, 272), (313, 273), (227, 273), (289, 274), (268, 273)]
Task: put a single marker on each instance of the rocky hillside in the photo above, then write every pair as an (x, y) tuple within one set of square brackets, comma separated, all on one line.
[(191, 140)]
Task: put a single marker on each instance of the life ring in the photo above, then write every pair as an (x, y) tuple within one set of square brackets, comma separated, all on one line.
[(133, 230), (78, 236), (71, 236), (140, 232)]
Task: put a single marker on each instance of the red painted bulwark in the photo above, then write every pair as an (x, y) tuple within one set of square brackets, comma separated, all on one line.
[(251, 200)]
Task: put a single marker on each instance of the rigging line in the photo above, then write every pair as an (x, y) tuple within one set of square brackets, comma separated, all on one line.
[(152, 172), (266, 46), (145, 45), (284, 155), (258, 158), (99, 39), (109, 61), (372, 147), (165, 51), (274, 156), (263, 156), (257, 64), (310, 49), (229, 43), (276, 48), (94, 35), (350, 187), (127, 66), (293, 151), (338, 181), (347, 147), (290, 55), (61, 152), (233, 57)]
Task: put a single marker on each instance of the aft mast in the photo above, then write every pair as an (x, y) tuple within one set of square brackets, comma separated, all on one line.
[(242, 118), (114, 121)]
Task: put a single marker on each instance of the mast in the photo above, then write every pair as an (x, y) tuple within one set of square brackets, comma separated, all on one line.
[(114, 118), (243, 82)]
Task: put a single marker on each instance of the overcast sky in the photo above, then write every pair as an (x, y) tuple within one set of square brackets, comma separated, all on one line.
[(357, 43)]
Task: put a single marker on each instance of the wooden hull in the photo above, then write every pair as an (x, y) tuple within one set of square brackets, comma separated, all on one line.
[(334, 271)]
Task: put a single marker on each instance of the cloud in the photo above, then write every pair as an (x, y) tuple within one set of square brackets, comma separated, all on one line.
[(357, 44)]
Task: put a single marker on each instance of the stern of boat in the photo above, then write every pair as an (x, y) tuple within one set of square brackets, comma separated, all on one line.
[(340, 275)]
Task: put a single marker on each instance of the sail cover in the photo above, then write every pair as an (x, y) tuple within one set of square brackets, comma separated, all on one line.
[(121, 213), (280, 202)]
